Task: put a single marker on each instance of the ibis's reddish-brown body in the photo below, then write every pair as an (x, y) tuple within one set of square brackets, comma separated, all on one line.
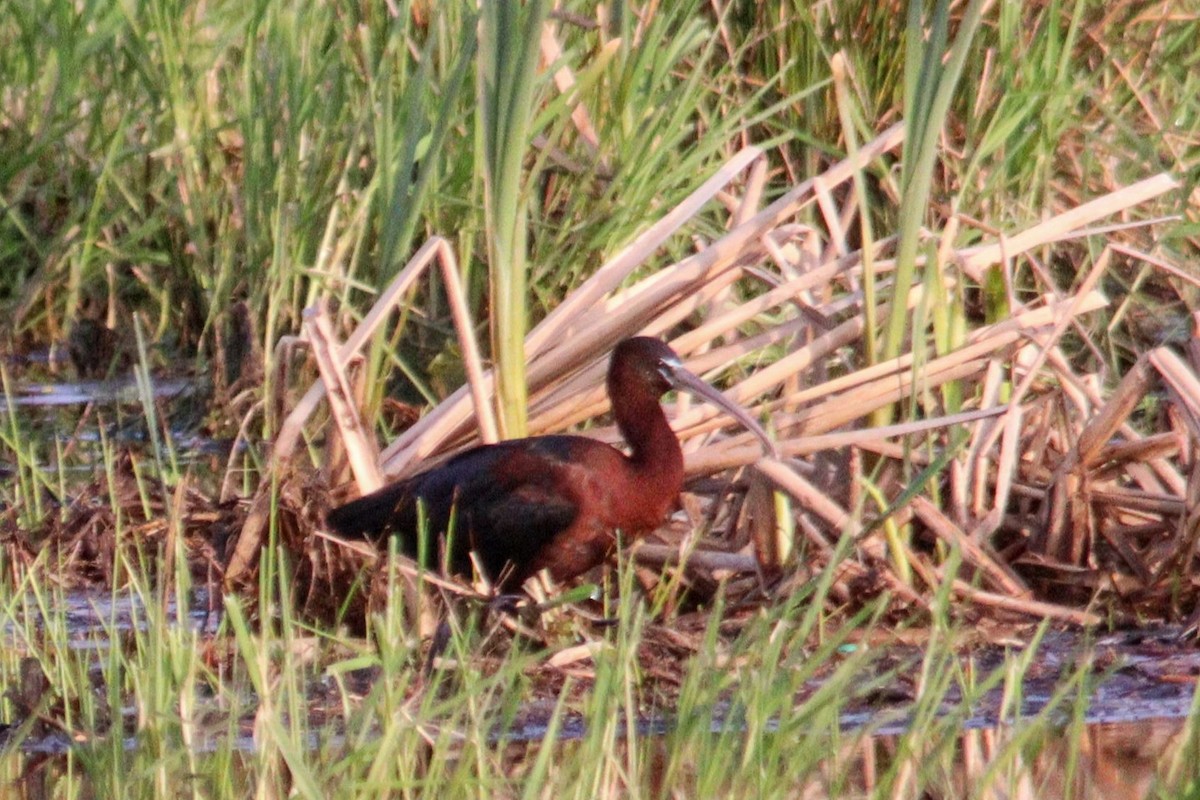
[(546, 502)]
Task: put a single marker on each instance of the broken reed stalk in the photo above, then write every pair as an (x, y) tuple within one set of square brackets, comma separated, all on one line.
[(478, 383), (1066, 224), (819, 504), (332, 361), (740, 452), (996, 573), (581, 397), (357, 441)]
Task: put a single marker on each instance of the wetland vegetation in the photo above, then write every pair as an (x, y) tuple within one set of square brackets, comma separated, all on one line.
[(945, 251)]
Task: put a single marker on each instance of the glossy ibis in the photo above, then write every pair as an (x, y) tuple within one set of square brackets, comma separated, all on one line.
[(552, 502)]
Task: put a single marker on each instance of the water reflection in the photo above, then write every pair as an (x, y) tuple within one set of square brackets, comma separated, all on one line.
[(1120, 760), (102, 392), (1106, 761)]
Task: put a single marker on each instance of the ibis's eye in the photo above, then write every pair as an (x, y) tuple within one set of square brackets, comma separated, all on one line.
[(667, 371), (668, 366)]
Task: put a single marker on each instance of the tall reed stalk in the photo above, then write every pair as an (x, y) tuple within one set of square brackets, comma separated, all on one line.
[(929, 83), (508, 51)]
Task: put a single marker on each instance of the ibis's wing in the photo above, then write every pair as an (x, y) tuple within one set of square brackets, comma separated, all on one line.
[(504, 501)]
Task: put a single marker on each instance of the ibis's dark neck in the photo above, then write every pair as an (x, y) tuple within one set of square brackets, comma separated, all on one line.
[(649, 488), (654, 449)]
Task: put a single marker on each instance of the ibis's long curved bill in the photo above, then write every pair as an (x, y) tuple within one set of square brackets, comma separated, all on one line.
[(681, 378)]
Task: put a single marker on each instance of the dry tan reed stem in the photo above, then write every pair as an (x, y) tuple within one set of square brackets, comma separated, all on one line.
[(1159, 445), (975, 260), (1064, 494), (715, 326), (613, 273), (564, 80), (831, 414), (659, 555), (289, 431), (1006, 470), (1033, 608), (1066, 313), (984, 341), (862, 400), (977, 458), (809, 496), (974, 554), (829, 212), (816, 502), (576, 653), (1182, 381), (643, 303), (1060, 326), (1152, 475), (756, 185), (354, 435), (1161, 263), (1100, 429), (740, 452), (1138, 500)]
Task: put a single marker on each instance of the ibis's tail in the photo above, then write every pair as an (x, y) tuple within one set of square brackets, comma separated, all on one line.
[(371, 516)]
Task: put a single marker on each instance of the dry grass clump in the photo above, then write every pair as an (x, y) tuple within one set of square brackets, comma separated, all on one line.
[(118, 520)]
